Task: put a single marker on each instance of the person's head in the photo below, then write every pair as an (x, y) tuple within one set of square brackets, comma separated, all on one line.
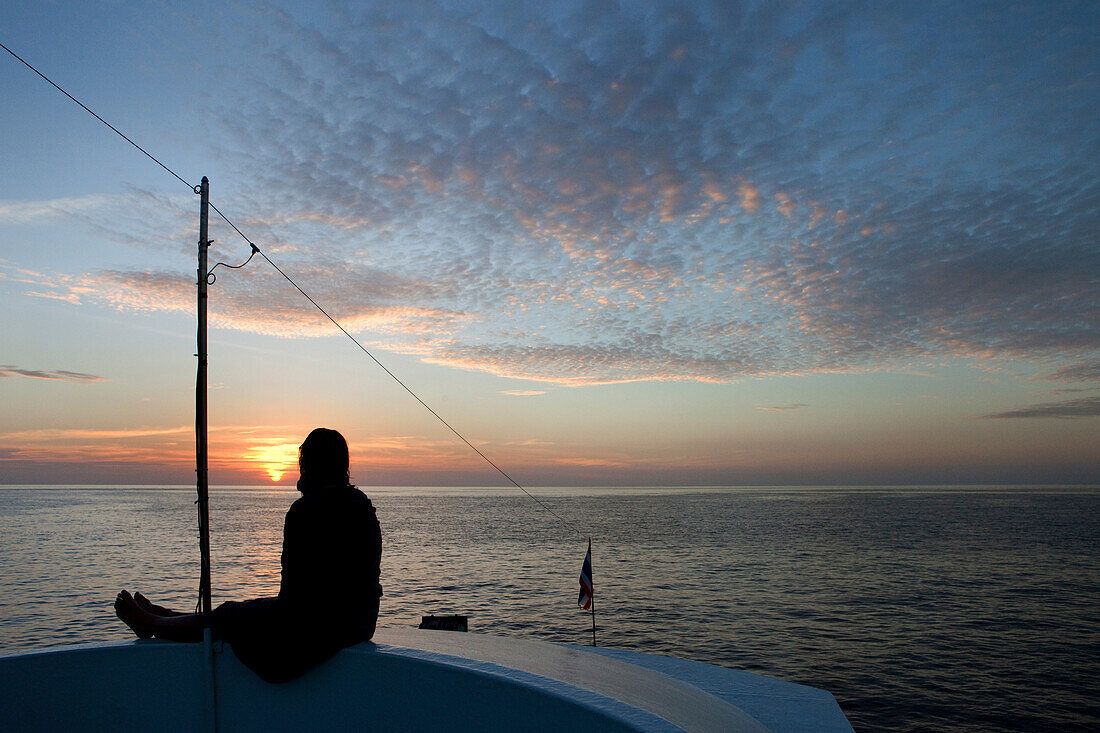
[(323, 460)]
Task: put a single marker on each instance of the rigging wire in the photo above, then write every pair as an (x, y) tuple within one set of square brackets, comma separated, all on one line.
[(336, 323), (383, 367), (210, 278), (93, 114), (416, 397)]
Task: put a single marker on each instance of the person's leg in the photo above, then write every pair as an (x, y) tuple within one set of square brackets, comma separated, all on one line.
[(184, 627), (154, 608)]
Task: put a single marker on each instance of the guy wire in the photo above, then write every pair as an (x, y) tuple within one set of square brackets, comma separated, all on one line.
[(383, 367), (93, 114), (415, 396), (256, 249)]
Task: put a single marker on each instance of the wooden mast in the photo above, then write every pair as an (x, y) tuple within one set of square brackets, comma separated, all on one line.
[(201, 469), (200, 410)]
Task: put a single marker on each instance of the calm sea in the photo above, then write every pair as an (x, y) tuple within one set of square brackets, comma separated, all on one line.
[(919, 609)]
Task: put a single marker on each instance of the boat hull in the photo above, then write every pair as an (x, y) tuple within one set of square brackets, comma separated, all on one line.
[(404, 680)]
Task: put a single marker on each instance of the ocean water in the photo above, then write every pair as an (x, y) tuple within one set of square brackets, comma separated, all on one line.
[(919, 609)]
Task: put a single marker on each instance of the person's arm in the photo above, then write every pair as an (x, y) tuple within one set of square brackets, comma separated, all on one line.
[(291, 558)]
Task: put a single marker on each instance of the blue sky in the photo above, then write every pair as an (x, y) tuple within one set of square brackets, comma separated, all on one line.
[(612, 242)]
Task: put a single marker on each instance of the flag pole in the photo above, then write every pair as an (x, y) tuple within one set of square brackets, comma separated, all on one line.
[(593, 599), (593, 622), (587, 597)]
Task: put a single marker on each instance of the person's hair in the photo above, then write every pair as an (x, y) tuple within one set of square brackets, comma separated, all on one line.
[(323, 460)]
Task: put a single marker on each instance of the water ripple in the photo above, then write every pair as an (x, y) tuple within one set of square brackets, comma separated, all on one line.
[(917, 609)]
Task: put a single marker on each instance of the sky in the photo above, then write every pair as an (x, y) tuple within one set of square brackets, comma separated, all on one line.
[(638, 243)]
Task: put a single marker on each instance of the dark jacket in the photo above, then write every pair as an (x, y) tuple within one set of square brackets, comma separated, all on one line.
[(332, 550)]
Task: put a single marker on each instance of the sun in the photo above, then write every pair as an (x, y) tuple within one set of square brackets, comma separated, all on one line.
[(275, 460)]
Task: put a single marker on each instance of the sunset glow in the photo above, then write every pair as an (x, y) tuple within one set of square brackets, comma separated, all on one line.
[(698, 243)]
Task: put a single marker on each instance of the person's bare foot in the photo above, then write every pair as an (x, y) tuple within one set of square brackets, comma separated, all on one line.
[(146, 605), (138, 619)]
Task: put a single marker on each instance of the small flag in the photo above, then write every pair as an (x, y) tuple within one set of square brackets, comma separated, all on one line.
[(584, 600)]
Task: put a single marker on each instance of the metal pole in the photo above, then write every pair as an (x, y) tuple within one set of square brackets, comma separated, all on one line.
[(593, 619), (593, 599), (200, 411)]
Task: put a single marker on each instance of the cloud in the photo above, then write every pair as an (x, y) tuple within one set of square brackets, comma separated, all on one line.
[(1081, 371), (782, 408), (171, 445), (26, 212), (586, 193), (140, 218), (61, 435), (260, 301), (523, 392), (53, 374), (1068, 410), (750, 197), (577, 169), (591, 462)]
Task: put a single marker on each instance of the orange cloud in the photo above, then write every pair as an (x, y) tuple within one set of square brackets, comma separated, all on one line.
[(588, 462), (237, 308), (785, 205), (153, 445), (750, 197), (52, 374)]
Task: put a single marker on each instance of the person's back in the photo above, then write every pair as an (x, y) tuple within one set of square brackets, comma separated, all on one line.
[(332, 551)]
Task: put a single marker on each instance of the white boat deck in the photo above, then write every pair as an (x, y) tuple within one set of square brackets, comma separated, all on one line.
[(405, 680)]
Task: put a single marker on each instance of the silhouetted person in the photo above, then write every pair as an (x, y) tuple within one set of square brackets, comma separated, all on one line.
[(328, 599)]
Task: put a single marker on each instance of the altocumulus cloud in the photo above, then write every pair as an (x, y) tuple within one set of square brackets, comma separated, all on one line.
[(260, 302), (587, 192)]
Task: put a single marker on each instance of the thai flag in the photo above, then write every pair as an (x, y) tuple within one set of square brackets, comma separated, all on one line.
[(584, 600)]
